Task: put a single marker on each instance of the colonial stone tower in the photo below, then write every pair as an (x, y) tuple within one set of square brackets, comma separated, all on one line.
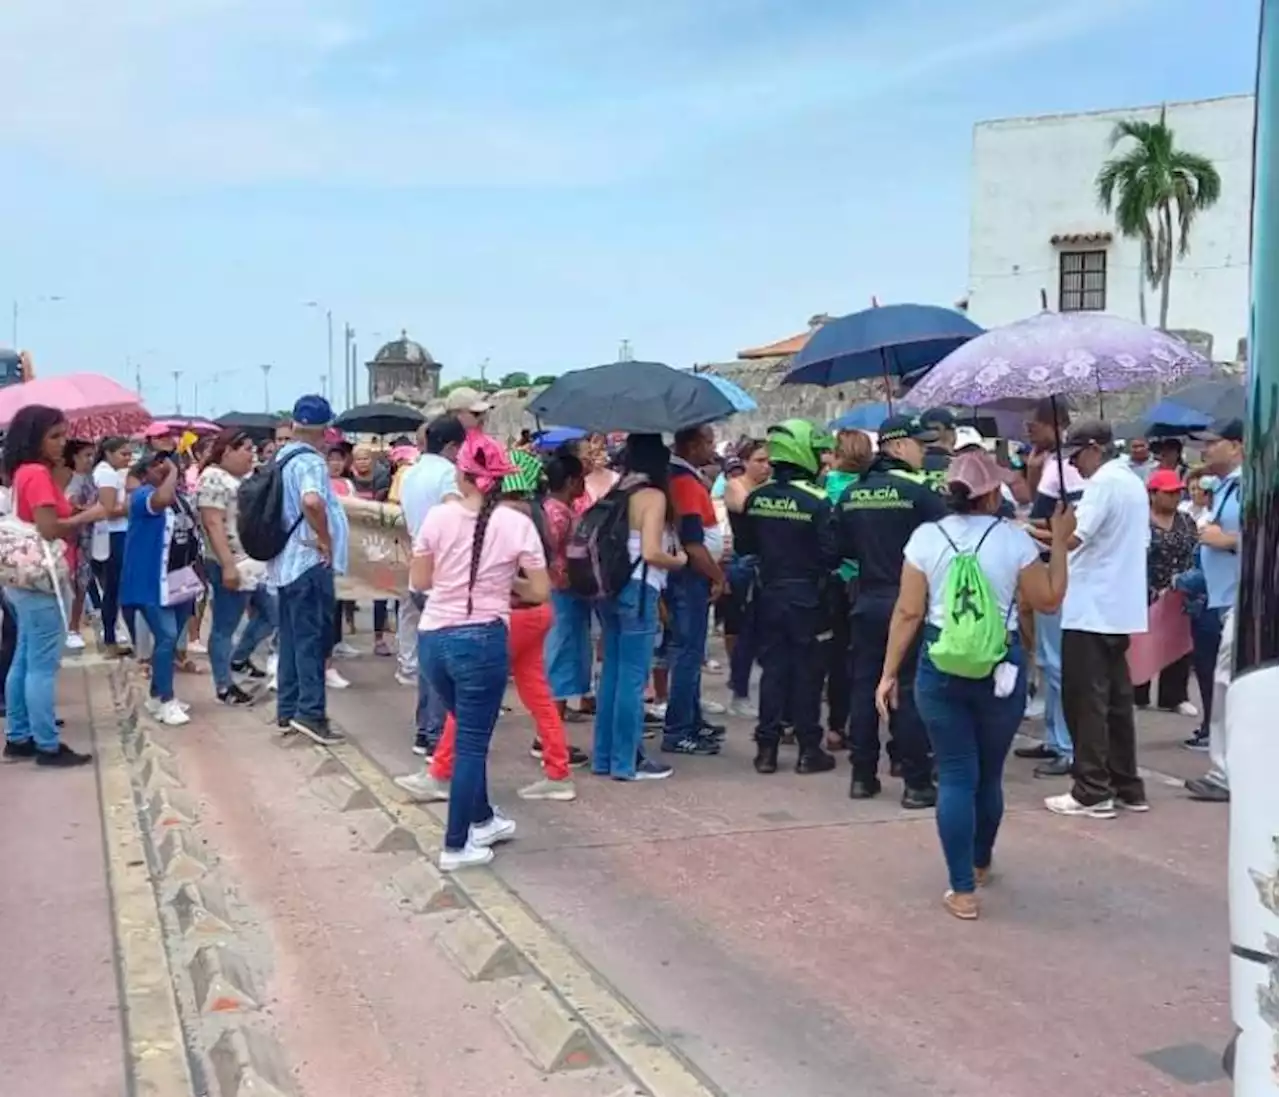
[(403, 371)]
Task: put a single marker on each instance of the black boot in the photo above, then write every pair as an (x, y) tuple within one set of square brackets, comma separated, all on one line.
[(863, 788), (766, 760), (813, 759), (916, 798)]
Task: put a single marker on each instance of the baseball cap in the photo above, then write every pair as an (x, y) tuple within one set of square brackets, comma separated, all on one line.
[(906, 426), (938, 419), (466, 398), (977, 470), (1226, 430), (1086, 433), (159, 430), (312, 411), (1165, 480)]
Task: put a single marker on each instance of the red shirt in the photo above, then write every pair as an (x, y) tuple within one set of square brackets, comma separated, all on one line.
[(33, 487), (695, 513), (559, 525)]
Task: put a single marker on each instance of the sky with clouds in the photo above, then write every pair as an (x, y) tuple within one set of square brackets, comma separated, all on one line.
[(523, 182)]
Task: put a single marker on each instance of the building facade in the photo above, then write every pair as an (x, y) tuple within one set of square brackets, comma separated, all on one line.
[(1035, 223)]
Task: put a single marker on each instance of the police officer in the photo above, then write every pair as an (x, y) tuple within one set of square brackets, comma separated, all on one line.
[(789, 525), (875, 518), (938, 453)]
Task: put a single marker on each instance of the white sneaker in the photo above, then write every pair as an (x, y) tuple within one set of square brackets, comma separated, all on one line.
[(273, 684), (273, 664), (195, 647), (406, 679), (712, 666), (1034, 709), (343, 650), (334, 680), (423, 788), (547, 789), (713, 708), (467, 857), (658, 710), (742, 706), (497, 829), (75, 642), (1066, 804), (173, 714), (1188, 709), (154, 705)]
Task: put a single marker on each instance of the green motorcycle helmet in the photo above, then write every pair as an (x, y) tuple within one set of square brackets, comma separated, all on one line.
[(794, 442)]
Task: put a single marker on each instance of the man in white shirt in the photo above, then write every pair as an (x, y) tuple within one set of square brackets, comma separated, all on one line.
[(1106, 603), (424, 486)]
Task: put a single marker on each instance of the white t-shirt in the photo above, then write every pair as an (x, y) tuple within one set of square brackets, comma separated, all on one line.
[(424, 486), (1107, 574), (1005, 552), (104, 476)]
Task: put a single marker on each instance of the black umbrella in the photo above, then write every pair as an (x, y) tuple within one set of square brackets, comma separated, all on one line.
[(638, 397), (1195, 406), (257, 424), (380, 419)]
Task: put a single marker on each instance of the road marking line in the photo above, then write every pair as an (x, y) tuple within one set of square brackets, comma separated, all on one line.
[(156, 1060), (619, 1026)]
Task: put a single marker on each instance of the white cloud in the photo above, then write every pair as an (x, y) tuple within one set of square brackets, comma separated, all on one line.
[(210, 92)]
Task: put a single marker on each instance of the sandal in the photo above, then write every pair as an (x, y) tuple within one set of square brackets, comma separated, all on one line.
[(982, 876), (961, 904), (186, 666)]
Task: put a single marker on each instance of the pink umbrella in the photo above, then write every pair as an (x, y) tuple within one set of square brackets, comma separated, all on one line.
[(95, 406)]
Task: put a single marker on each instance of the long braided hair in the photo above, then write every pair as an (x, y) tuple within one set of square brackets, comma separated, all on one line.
[(487, 506)]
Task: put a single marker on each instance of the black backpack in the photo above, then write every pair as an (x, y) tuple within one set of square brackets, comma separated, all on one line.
[(598, 559), (260, 511)]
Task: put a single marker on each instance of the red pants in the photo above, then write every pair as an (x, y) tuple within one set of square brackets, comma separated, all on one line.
[(526, 633)]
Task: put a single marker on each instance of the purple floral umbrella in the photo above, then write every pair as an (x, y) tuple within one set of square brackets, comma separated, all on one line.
[(1057, 354)]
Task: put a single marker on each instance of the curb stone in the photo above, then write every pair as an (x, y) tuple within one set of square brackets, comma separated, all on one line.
[(478, 950), (343, 792), (377, 830), (552, 1037), (221, 980), (182, 858), (423, 888), (201, 911), (248, 1063)]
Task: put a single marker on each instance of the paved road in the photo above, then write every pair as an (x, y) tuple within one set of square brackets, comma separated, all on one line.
[(791, 941)]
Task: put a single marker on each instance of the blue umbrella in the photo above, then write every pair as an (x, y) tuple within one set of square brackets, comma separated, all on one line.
[(555, 437), (1195, 406), (739, 397), (863, 417), (886, 341)]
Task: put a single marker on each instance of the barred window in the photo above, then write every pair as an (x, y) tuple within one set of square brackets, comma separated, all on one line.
[(1082, 281)]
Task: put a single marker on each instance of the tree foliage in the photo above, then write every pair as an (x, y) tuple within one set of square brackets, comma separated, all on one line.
[(544, 379), (517, 380), (1155, 190)]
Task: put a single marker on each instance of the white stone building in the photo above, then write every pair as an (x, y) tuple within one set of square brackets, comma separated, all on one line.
[(1035, 222)]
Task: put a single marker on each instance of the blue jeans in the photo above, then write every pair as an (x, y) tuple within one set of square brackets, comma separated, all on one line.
[(228, 608), (687, 597), (32, 683), (467, 665), (1206, 635), (306, 625), (431, 711), (567, 649), (630, 622), (742, 570), (166, 624), (1049, 655), (107, 573), (971, 730)]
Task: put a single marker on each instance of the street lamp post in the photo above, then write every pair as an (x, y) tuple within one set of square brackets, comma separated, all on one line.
[(177, 395), (266, 387), (328, 325)]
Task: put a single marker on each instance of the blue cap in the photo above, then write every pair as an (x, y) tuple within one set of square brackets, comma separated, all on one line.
[(312, 411), (905, 426)]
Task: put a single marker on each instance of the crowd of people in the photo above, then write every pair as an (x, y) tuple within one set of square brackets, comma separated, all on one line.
[(898, 593)]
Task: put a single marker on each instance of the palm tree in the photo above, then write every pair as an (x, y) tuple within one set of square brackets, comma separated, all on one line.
[(1151, 185)]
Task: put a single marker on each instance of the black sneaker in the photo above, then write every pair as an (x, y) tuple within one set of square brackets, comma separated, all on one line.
[(691, 744), (913, 799), (424, 745), (1197, 742), (234, 695), (249, 669), (19, 751), (578, 758), (63, 758), (1038, 753), (712, 731), (285, 724), (316, 729)]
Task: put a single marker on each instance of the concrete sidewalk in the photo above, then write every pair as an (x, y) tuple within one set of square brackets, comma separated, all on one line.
[(59, 999)]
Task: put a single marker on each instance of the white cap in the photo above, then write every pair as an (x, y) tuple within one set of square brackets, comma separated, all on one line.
[(466, 398)]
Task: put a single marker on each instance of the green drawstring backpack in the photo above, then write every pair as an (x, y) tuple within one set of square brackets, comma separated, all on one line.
[(974, 637)]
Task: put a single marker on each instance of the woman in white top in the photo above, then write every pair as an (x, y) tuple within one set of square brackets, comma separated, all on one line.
[(109, 476), (971, 721), (630, 618)]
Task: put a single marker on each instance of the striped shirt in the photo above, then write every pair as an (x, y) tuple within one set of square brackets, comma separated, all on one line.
[(307, 474)]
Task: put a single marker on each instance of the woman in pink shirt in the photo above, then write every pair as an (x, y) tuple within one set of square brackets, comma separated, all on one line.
[(472, 555)]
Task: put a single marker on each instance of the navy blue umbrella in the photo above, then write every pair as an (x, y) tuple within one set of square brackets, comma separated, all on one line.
[(886, 341), (1195, 406)]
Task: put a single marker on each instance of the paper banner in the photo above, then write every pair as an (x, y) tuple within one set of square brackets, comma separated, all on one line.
[(1167, 639), (378, 552)]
